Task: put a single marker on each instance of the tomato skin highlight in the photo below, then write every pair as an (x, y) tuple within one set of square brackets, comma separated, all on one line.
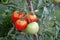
[(15, 16), (31, 17), (21, 25)]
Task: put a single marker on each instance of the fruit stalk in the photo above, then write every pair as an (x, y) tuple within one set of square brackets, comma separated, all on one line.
[(35, 36)]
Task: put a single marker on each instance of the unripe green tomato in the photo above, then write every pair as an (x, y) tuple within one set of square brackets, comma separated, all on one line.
[(57, 1), (32, 28)]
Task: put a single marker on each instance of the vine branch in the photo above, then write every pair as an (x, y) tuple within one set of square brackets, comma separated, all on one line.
[(30, 6), (35, 36)]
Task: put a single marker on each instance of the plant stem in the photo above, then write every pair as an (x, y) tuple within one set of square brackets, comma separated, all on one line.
[(35, 36), (30, 6)]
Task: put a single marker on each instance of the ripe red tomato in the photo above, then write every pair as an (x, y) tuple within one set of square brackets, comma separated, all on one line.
[(22, 14), (26, 20), (21, 24), (16, 15), (31, 17)]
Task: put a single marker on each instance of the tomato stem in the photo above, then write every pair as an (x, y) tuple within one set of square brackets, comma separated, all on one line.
[(35, 36), (30, 6)]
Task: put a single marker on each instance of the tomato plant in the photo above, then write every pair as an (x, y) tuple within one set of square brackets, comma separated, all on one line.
[(47, 16), (21, 24)]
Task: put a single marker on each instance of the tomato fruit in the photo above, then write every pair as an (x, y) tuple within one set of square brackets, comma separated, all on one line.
[(22, 14), (31, 17), (26, 20), (21, 24), (32, 28), (16, 15)]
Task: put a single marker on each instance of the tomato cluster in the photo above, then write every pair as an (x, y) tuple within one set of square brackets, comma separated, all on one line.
[(27, 22)]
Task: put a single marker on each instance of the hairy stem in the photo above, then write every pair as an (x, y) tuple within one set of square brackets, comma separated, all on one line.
[(30, 6), (35, 36)]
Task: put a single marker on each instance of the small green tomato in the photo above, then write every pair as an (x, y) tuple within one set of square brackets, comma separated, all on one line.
[(32, 28), (57, 1)]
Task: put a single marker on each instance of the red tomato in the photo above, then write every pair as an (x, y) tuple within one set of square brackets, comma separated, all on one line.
[(32, 17), (27, 20), (21, 25), (22, 14), (15, 16)]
